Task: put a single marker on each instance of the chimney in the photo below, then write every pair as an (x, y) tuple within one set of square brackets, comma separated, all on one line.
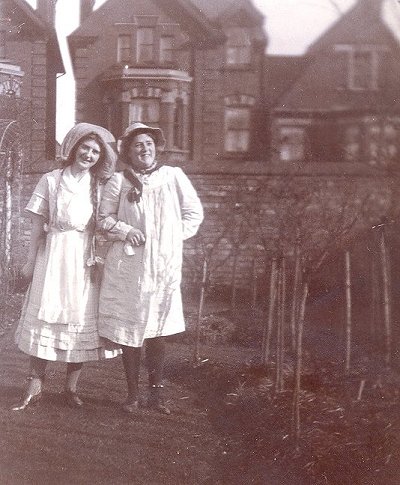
[(47, 10), (86, 8)]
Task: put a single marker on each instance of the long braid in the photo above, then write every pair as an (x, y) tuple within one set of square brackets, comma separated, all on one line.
[(94, 196)]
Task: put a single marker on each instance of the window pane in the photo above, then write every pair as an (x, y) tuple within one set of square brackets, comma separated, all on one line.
[(2, 44), (145, 45), (238, 47), (178, 124), (237, 129), (292, 144), (352, 143), (362, 76), (124, 48), (166, 49), (144, 110)]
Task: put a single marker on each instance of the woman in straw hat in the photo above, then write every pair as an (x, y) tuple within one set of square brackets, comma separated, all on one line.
[(150, 209)]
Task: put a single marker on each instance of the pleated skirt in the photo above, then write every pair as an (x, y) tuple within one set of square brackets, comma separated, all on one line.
[(59, 315)]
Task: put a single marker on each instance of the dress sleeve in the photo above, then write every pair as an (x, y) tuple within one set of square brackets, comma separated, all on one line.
[(108, 212), (39, 201), (191, 208)]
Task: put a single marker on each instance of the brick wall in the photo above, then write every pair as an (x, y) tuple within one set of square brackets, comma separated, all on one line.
[(251, 218)]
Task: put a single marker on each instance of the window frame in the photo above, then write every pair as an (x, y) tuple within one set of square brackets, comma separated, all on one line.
[(127, 48), (143, 101), (238, 47), (375, 55), (144, 44)]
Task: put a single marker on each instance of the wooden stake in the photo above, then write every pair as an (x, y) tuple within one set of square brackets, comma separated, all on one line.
[(196, 355), (387, 310), (254, 285), (271, 309), (280, 353), (233, 281), (299, 357), (348, 310), (295, 296)]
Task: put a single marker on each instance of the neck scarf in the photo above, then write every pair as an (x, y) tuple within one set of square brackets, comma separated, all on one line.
[(135, 193)]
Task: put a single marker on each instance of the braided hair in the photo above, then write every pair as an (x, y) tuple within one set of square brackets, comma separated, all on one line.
[(94, 179)]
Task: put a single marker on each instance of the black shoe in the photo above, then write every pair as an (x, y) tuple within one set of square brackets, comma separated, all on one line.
[(156, 400), (27, 400), (130, 407), (72, 399)]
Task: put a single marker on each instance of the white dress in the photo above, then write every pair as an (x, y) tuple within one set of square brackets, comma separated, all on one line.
[(140, 295), (59, 316)]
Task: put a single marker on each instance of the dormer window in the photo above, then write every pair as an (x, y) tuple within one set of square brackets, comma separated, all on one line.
[(361, 66), (238, 47)]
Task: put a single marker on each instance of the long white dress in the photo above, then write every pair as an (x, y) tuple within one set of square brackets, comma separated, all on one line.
[(140, 294), (59, 316)]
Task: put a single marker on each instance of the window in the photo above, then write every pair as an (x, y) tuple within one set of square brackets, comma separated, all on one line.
[(352, 143), (292, 144), (361, 66), (166, 49), (124, 48), (382, 142), (178, 124), (144, 110), (2, 44), (238, 48), (145, 45), (237, 129)]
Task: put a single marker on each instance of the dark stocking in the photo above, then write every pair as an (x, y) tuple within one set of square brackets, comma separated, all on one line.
[(131, 361), (155, 359), (73, 372)]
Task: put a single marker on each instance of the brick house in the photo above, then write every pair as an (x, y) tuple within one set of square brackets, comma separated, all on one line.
[(193, 68), (340, 102), (250, 129), (30, 60)]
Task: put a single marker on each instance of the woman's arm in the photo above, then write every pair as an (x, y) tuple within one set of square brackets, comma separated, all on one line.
[(37, 235), (191, 208), (108, 214)]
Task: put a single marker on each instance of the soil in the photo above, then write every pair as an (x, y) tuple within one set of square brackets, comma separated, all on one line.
[(228, 425)]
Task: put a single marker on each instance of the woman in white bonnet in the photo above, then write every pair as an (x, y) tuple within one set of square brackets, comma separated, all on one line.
[(59, 316)]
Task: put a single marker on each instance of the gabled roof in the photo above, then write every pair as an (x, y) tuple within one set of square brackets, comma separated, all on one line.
[(354, 26), (43, 27), (213, 9), (220, 10), (191, 18), (315, 88)]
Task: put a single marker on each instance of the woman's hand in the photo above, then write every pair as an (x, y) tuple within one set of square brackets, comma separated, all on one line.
[(135, 237), (27, 270)]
